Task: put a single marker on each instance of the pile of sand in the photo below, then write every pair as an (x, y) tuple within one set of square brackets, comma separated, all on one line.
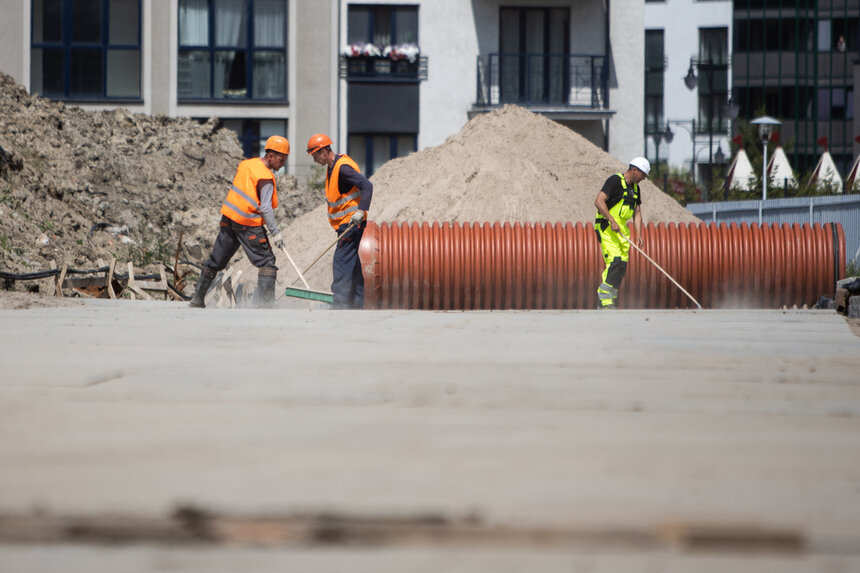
[(509, 165)]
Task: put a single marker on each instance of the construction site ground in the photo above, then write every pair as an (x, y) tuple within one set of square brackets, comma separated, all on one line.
[(141, 436)]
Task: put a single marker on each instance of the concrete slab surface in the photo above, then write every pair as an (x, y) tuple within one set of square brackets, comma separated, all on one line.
[(145, 436)]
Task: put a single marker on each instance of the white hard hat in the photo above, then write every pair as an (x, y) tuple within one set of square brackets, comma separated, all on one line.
[(641, 164)]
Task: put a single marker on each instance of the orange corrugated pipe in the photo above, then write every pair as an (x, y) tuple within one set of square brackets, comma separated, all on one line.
[(464, 266)]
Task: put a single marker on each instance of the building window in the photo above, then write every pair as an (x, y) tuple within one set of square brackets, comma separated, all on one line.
[(835, 103), (371, 151), (382, 25), (713, 79), (86, 49), (655, 69), (253, 133), (383, 41), (534, 62), (232, 50)]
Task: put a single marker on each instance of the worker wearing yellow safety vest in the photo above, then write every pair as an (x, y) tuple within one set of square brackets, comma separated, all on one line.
[(251, 201), (348, 194), (617, 203)]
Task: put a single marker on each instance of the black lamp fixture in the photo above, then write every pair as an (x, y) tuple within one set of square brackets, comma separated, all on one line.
[(732, 109), (659, 137), (719, 156), (668, 135), (690, 80)]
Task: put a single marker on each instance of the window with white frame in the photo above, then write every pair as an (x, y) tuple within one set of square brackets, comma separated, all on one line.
[(85, 49), (232, 50)]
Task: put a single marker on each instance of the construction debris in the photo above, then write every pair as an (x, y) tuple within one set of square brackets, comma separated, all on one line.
[(77, 186)]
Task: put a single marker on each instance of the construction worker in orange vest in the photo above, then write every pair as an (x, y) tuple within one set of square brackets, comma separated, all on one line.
[(348, 194), (618, 202), (251, 201)]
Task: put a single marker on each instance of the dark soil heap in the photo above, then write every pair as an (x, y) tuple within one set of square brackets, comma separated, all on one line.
[(78, 186)]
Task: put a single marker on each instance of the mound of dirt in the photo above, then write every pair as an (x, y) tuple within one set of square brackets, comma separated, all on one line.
[(510, 165), (78, 186)]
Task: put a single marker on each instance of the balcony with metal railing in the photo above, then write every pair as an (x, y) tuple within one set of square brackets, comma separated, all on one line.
[(379, 69), (543, 83)]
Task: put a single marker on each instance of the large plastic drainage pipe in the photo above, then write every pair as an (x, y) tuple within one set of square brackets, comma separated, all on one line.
[(463, 266)]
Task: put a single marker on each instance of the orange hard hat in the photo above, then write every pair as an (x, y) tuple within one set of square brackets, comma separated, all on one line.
[(279, 144), (317, 142)]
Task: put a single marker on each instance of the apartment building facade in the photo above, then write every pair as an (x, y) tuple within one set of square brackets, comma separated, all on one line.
[(795, 61), (382, 78), (799, 62), (688, 83)]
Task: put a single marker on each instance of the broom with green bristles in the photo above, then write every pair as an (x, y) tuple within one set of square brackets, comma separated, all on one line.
[(307, 293)]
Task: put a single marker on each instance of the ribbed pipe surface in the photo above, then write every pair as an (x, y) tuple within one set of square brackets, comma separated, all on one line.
[(454, 266)]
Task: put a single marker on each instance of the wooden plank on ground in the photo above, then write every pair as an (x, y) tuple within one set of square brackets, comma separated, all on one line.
[(109, 280), (60, 278), (136, 287)]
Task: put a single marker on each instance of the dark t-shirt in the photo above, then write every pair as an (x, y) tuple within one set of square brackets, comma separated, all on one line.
[(615, 192)]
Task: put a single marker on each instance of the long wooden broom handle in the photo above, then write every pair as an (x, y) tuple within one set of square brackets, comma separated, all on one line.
[(292, 262), (641, 252), (327, 249)]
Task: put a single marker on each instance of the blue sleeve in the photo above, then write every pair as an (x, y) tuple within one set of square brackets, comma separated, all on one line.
[(350, 178)]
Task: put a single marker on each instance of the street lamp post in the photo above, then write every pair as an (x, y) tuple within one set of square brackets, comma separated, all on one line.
[(730, 108), (692, 131), (720, 159), (691, 81), (660, 136), (766, 126)]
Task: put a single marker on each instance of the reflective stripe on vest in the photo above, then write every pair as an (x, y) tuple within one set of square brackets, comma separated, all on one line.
[(242, 204), (341, 207), (623, 210)]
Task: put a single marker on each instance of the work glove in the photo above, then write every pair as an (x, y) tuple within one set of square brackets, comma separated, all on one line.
[(278, 241), (356, 218)]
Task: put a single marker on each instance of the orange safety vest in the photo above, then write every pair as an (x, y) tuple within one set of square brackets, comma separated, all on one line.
[(341, 207), (242, 203)]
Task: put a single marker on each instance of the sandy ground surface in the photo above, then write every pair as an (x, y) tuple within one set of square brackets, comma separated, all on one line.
[(139, 436)]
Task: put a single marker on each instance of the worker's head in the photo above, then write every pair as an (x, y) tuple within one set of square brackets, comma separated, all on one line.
[(642, 166), (318, 147), (277, 151)]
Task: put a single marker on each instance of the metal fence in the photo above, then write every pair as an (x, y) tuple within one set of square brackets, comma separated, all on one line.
[(842, 209), (564, 80)]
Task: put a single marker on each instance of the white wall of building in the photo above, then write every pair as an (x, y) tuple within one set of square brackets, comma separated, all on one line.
[(681, 20), (448, 35), (626, 81), (14, 45)]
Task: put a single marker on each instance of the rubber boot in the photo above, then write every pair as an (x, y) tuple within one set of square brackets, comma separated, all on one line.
[(264, 297), (206, 277)]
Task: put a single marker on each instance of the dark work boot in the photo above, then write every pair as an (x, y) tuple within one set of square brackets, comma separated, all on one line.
[(206, 277), (264, 297)]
